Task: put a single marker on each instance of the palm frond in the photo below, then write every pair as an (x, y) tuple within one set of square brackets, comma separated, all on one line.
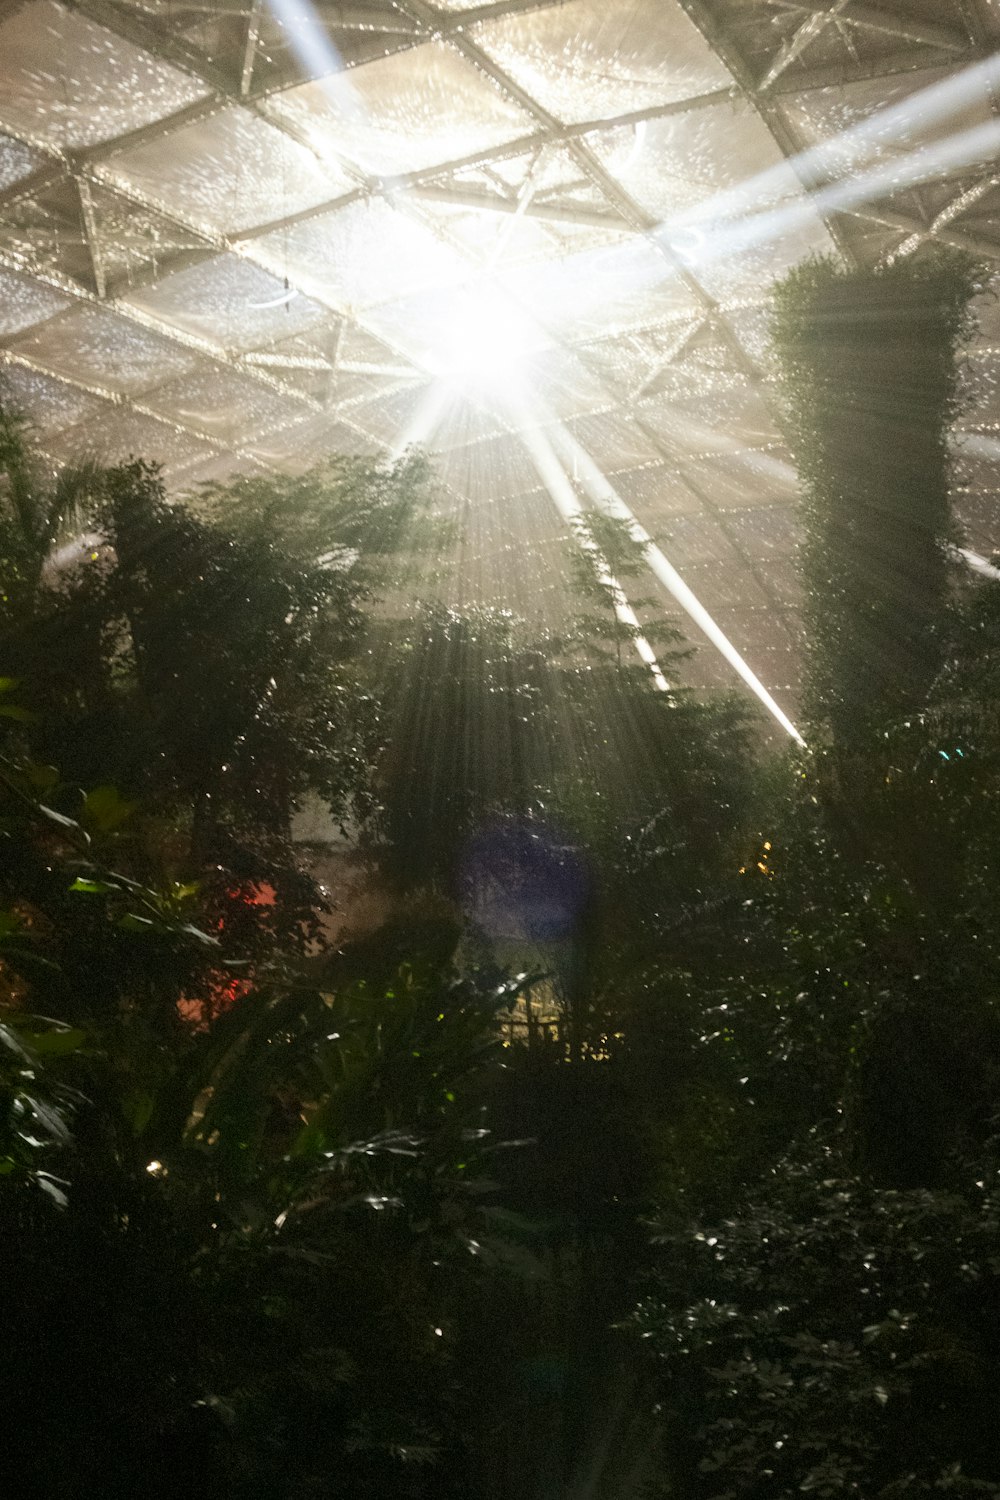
[(76, 489)]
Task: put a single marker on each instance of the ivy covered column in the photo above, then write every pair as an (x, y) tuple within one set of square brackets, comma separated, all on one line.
[(867, 364)]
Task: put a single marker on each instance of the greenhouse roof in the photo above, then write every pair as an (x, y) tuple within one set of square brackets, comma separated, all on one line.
[(536, 236)]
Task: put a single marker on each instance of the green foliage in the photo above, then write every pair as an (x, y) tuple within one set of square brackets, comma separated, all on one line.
[(282, 1222), (834, 1338), (489, 727), (36, 1106), (35, 509), (345, 513), (822, 1309), (602, 555), (205, 663), (870, 386), (463, 711), (266, 1225)]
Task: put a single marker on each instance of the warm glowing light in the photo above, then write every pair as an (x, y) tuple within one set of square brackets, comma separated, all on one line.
[(484, 338)]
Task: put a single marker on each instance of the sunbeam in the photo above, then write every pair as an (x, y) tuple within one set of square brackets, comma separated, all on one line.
[(606, 496), (434, 401), (832, 169), (719, 238), (312, 45), (561, 491)]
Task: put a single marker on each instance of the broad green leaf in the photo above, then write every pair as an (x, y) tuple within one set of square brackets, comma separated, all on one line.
[(56, 1043), (105, 809), (60, 818), (93, 887), (199, 935), (10, 1039), (42, 778), (137, 1108), (48, 1185), (132, 922), (48, 1118)]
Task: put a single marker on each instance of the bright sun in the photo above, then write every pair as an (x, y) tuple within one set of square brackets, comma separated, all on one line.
[(483, 337)]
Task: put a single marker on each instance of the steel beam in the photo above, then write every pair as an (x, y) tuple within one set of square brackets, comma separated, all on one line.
[(214, 243), (169, 331), (250, 48), (769, 111), (493, 203), (906, 224), (877, 18), (92, 237), (804, 34), (839, 75), (951, 211)]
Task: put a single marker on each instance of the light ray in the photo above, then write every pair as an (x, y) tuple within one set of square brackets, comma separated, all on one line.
[(606, 496), (561, 491), (977, 562), (426, 418), (720, 238), (850, 150), (980, 444), (315, 53)]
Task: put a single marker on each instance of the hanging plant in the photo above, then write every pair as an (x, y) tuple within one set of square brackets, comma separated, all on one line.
[(869, 379)]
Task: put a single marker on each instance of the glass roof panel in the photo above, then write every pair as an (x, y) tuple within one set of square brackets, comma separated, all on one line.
[(24, 302), (71, 83), (430, 326), (589, 59), (752, 477), (49, 403), (471, 218), (569, 387), (683, 160), (606, 290), (481, 232), (120, 434), (303, 443), (734, 273), (495, 466), (403, 112), (619, 441), (217, 467), (656, 490), (366, 252), (230, 171), (877, 119), (17, 161), (222, 402), (629, 362), (699, 539), (228, 302), (442, 417), (737, 420), (103, 349)]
